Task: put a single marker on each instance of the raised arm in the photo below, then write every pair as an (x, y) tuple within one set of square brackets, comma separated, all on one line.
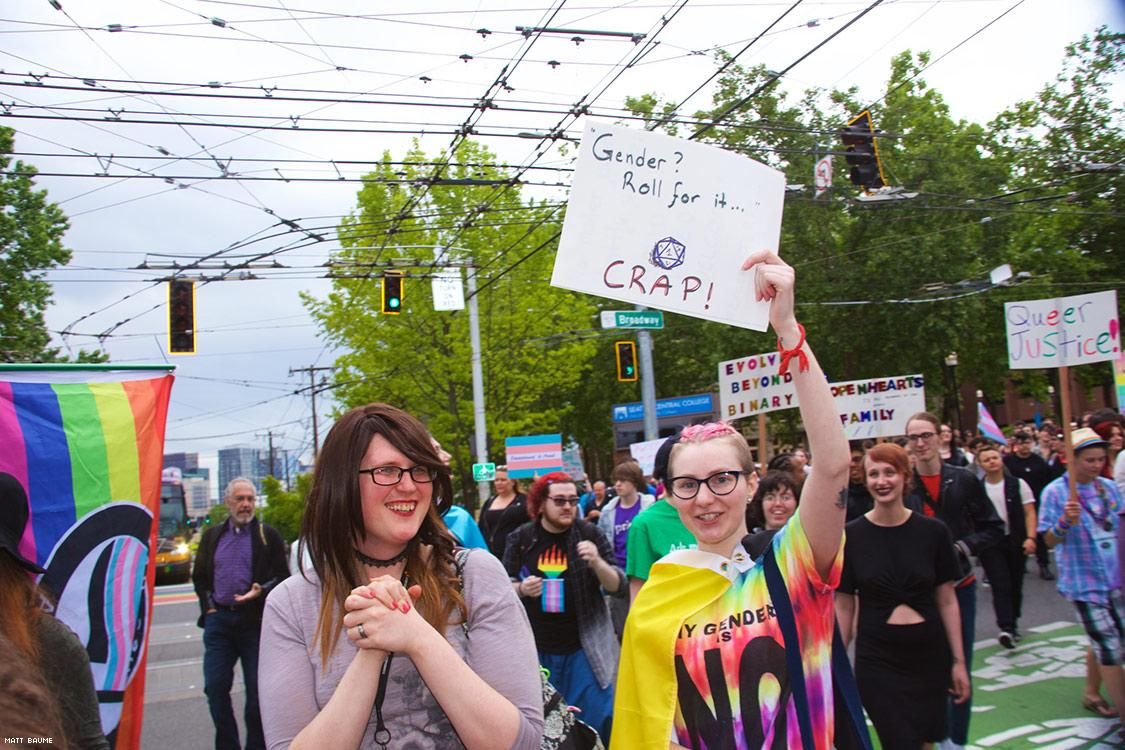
[(824, 495)]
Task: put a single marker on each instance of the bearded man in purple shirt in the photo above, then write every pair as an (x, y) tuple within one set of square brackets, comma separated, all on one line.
[(238, 563)]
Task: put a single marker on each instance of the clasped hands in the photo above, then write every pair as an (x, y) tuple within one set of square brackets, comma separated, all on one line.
[(381, 616)]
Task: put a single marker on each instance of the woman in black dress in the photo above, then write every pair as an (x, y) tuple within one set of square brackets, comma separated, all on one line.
[(502, 513), (901, 566)]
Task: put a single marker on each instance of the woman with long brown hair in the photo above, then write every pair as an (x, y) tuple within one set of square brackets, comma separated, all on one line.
[(46, 644), (394, 638)]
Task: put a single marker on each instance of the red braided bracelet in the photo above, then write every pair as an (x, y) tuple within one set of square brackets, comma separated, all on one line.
[(788, 354)]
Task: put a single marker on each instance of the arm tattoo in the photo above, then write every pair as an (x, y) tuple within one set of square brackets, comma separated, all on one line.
[(842, 498)]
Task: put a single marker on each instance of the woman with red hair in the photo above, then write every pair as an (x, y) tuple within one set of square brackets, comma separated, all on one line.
[(901, 566)]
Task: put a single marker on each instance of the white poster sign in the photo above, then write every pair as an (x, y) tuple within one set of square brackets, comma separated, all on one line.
[(666, 223), (879, 407), (1063, 331), (822, 176), (751, 385), (645, 453), (447, 291)]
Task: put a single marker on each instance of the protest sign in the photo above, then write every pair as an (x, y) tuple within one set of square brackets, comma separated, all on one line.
[(878, 407), (874, 407), (533, 455), (751, 385), (645, 454), (666, 223), (1063, 331)]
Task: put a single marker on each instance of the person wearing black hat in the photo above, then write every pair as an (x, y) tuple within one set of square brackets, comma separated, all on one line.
[(657, 530), (40, 638)]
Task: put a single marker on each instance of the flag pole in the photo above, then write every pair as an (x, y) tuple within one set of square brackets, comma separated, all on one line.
[(1064, 397), (763, 445)]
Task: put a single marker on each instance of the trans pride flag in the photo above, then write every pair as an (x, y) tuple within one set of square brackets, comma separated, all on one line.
[(987, 426), (87, 444)]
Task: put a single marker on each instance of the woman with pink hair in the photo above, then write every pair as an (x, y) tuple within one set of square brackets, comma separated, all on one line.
[(705, 628)]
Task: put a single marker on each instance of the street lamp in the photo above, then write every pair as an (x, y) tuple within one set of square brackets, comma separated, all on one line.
[(951, 364)]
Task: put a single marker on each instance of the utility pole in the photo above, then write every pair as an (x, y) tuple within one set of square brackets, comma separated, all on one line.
[(311, 370), (273, 464), (648, 382)]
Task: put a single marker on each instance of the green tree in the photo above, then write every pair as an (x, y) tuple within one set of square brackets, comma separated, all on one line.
[(31, 232), (218, 514), (421, 359), (285, 509)]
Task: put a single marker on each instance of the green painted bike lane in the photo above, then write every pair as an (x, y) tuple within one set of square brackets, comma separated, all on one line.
[(1031, 697)]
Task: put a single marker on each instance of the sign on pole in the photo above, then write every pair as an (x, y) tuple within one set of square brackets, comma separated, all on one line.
[(632, 319), (666, 223), (751, 385), (484, 472), (533, 455), (878, 407), (447, 291), (1063, 331)]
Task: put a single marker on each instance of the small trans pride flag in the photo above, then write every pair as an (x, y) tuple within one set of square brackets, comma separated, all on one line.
[(987, 426)]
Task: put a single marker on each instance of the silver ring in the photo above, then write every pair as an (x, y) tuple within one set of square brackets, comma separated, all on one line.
[(361, 631)]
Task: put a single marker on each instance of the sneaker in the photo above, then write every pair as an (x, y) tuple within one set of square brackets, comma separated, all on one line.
[(1045, 573), (1006, 639), (1017, 636)]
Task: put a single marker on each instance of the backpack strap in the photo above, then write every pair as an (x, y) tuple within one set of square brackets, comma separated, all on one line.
[(783, 607), (847, 692)]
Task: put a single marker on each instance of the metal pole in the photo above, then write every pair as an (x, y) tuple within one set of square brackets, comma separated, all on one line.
[(479, 427), (648, 381)]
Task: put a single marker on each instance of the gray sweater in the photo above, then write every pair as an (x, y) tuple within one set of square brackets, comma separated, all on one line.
[(500, 648)]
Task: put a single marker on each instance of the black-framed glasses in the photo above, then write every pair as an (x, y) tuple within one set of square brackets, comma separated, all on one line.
[(921, 437), (389, 476), (561, 501), (720, 483)]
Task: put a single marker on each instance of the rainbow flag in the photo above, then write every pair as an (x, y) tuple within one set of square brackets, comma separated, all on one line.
[(987, 426), (87, 444)]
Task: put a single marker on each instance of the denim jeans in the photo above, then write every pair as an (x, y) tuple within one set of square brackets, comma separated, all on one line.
[(959, 713), (227, 637)]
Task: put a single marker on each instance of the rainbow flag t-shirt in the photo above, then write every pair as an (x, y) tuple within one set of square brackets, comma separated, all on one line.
[(727, 684)]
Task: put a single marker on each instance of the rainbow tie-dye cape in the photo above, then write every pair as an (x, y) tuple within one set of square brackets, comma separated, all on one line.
[(86, 442), (704, 658)]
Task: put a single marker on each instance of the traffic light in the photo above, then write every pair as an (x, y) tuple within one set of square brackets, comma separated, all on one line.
[(181, 316), (863, 153), (392, 292), (626, 361)]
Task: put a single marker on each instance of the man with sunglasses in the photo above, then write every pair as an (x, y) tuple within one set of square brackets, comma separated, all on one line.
[(560, 565), (238, 563)]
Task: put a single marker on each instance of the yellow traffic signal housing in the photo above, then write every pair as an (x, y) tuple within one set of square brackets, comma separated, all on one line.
[(626, 361), (181, 316), (392, 292)]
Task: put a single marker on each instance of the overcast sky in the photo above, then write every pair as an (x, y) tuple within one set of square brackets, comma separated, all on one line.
[(164, 208)]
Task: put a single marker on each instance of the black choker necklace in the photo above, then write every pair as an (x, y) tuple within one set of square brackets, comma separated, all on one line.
[(377, 563)]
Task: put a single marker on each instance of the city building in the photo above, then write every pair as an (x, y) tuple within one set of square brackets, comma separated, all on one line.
[(185, 462), (240, 461)]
